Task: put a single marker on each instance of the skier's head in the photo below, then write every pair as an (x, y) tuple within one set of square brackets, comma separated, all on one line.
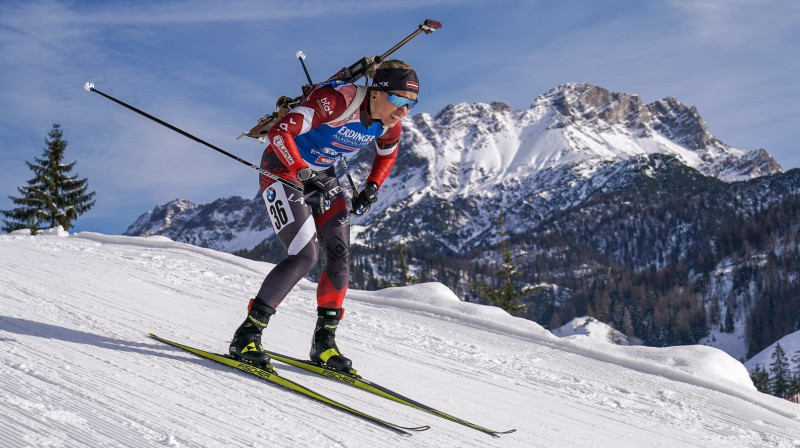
[(394, 75), (393, 91)]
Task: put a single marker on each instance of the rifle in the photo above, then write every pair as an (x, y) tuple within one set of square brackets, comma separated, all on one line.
[(349, 74)]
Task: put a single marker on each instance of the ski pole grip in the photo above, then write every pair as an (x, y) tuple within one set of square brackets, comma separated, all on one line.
[(89, 87), (429, 26)]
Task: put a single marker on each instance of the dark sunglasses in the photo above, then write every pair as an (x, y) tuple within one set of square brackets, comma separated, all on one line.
[(400, 101)]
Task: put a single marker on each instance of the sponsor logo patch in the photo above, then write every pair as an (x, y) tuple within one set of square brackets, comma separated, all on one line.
[(325, 105), (278, 142), (345, 147), (351, 137), (299, 199), (324, 160), (330, 151)]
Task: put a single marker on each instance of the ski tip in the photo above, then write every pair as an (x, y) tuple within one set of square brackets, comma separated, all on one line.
[(89, 87), (499, 433)]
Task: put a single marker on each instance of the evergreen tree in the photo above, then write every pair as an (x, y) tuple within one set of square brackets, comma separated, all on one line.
[(627, 325), (405, 276), (781, 375), (760, 378), (794, 386), (52, 197), (508, 295), (729, 325)]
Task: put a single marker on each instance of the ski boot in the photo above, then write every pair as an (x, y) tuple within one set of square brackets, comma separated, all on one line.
[(323, 346), (246, 343)]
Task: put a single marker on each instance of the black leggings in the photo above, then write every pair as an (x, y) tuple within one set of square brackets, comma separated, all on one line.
[(302, 233)]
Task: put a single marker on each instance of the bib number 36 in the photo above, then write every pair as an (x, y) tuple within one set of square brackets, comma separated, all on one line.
[(278, 215), (278, 206)]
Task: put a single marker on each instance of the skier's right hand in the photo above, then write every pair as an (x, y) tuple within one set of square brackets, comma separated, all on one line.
[(363, 200), (317, 192)]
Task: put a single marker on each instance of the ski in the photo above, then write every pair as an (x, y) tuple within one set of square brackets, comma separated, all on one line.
[(273, 377), (362, 383)]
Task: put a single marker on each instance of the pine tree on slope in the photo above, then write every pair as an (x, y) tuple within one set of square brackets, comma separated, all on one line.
[(781, 376), (52, 197), (794, 386), (508, 295), (760, 378)]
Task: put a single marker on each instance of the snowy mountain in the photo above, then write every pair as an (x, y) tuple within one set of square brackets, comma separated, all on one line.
[(227, 224), (459, 168), (79, 370)]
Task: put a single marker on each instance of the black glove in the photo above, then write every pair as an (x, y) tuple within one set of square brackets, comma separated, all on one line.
[(364, 199), (317, 191)]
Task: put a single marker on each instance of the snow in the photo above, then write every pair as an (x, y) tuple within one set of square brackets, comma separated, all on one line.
[(733, 344), (590, 327), (78, 369), (57, 231)]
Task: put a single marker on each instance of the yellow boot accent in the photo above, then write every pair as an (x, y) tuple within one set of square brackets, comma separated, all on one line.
[(251, 347), (327, 354)]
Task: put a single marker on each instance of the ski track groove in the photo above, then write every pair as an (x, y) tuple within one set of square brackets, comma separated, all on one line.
[(90, 395)]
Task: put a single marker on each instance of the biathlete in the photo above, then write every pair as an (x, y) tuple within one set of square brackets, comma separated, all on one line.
[(336, 118)]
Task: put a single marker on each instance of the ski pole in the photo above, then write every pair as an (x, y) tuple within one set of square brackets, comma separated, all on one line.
[(427, 27), (352, 184), (89, 87), (302, 57), (349, 177)]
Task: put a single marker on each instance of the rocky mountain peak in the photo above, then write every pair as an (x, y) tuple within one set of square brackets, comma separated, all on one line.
[(583, 103), (590, 103), (680, 123), (161, 218)]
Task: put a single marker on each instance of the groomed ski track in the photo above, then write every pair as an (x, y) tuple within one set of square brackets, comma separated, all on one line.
[(78, 368)]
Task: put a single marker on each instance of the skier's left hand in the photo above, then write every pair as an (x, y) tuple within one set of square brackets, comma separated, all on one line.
[(364, 199)]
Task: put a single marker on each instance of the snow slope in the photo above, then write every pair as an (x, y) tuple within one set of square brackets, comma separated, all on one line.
[(790, 345), (78, 369)]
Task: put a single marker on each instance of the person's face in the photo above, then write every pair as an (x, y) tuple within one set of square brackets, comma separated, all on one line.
[(386, 112)]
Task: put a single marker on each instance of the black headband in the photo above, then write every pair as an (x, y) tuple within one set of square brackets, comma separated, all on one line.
[(389, 79)]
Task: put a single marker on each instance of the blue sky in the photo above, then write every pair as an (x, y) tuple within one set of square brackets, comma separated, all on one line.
[(212, 68)]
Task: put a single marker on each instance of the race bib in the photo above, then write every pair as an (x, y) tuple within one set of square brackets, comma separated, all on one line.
[(280, 213)]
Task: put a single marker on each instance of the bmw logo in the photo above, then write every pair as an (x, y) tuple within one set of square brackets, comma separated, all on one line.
[(271, 194)]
